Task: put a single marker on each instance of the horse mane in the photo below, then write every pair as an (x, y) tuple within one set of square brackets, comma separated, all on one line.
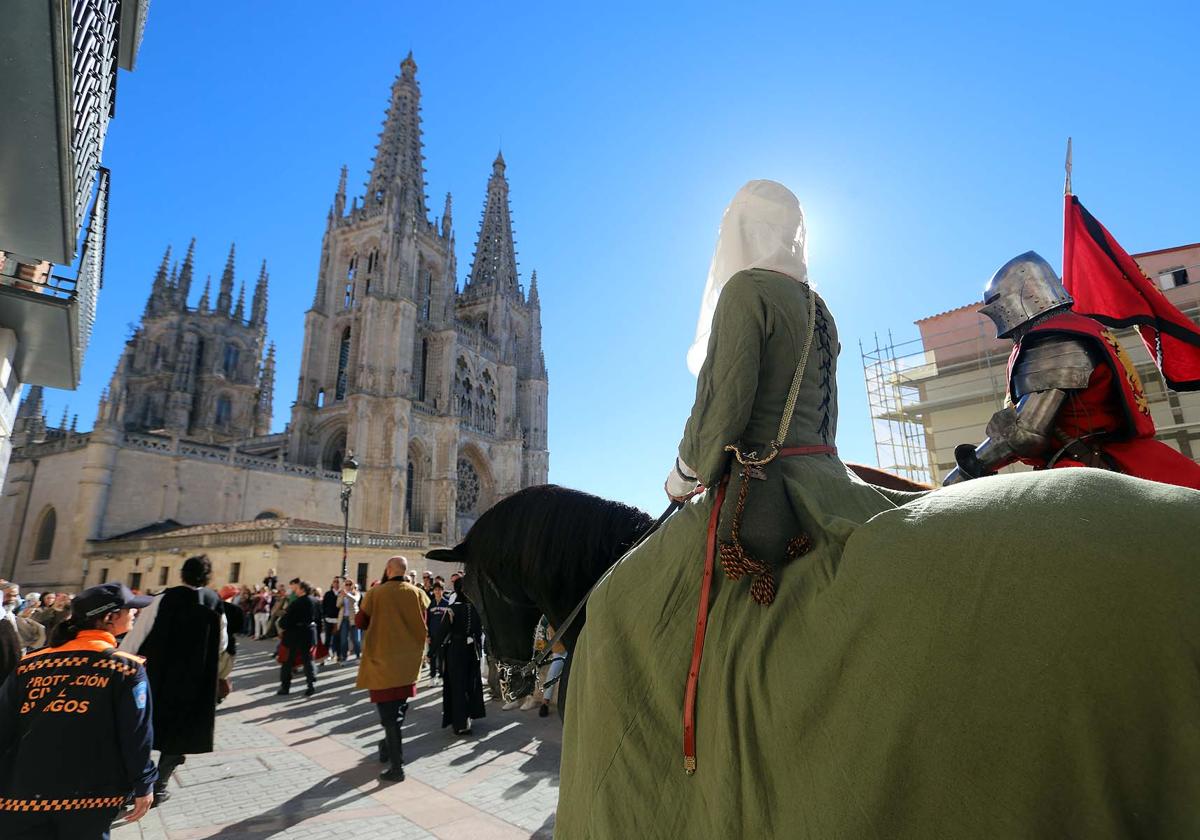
[(552, 541)]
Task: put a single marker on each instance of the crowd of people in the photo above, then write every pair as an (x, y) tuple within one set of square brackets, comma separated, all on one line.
[(175, 651)]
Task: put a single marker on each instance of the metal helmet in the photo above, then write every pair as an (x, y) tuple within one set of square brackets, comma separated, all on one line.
[(1024, 288)]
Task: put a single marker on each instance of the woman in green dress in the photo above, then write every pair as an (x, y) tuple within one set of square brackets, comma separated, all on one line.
[(780, 523), (795, 654)]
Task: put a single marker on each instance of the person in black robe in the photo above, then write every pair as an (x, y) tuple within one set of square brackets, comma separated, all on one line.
[(462, 687), (181, 636)]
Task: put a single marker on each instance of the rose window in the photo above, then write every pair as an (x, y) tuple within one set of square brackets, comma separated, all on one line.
[(468, 487)]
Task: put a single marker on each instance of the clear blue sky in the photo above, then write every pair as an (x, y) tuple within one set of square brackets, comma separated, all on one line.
[(925, 143)]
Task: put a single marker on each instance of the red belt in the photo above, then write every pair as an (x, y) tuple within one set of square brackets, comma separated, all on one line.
[(689, 695)]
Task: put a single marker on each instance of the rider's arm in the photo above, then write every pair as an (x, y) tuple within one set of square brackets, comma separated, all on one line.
[(1045, 373)]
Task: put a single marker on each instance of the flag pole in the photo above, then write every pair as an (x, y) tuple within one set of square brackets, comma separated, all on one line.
[(1067, 186), (1068, 226)]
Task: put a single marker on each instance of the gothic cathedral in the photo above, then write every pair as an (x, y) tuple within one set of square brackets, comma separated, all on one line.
[(439, 392)]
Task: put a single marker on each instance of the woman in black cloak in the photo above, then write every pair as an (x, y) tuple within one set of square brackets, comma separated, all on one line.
[(462, 689)]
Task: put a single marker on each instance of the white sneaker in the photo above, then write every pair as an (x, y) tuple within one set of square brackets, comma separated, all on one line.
[(510, 705), (531, 702)]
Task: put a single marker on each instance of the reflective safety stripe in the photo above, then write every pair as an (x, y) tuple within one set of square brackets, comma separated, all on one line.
[(78, 804)]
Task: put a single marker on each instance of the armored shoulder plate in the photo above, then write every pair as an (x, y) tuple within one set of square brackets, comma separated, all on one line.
[(1058, 361)]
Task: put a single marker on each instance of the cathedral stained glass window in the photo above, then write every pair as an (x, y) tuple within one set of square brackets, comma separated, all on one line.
[(224, 411), (468, 487), (343, 364)]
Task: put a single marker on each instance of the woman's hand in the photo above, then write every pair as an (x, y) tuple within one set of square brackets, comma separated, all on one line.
[(681, 484)]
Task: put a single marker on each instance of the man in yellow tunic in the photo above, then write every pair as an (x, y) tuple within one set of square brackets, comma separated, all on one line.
[(393, 616)]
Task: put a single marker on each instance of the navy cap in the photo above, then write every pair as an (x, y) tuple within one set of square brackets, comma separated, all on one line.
[(105, 598)]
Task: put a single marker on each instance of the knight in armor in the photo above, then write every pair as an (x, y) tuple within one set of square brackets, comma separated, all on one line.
[(1074, 397)]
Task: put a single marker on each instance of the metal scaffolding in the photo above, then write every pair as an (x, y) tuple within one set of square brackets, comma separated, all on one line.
[(900, 445)]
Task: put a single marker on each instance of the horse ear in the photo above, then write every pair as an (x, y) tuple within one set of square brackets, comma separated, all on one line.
[(448, 555)]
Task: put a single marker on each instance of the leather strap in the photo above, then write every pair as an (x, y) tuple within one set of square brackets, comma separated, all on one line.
[(689, 694), (710, 553)]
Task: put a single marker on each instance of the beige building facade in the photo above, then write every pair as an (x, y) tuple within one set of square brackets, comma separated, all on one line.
[(440, 393), (930, 395)]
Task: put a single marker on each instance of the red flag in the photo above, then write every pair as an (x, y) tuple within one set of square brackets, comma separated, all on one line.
[(1108, 285)]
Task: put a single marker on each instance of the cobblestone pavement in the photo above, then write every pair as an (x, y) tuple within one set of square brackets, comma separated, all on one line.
[(297, 767)]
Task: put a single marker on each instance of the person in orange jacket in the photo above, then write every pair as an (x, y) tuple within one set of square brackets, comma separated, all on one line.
[(80, 697)]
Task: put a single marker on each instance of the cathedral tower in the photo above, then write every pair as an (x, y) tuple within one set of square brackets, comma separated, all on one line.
[(385, 278), (424, 385), (195, 373)]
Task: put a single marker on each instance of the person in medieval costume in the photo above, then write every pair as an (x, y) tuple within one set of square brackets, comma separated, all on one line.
[(773, 504), (1074, 397), (181, 635), (392, 615), (462, 685)]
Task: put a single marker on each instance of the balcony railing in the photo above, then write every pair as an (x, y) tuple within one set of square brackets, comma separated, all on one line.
[(54, 315)]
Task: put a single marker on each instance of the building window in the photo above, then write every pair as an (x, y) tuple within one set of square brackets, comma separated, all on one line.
[(351, 271), (424, 369), (343, 363), (321, 398), (468, 488), (235, 572), (44, 544), (103, 576), (266, 514), (224, 412), (1173, 278), (230, 364), (135, 581), (412, 490), (164, 575), (361, 577)]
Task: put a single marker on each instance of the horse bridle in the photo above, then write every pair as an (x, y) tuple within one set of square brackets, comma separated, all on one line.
[(519, 680)]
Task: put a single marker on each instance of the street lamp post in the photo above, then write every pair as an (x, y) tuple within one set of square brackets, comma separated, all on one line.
[(349, 476)]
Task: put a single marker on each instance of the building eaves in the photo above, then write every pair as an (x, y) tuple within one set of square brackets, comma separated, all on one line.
[(1166, 250)]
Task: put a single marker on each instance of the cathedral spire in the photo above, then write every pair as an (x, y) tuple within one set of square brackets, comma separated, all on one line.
[(534, 300), (339, 198), (447, 218), (185, 275), (266, 393), (225, 294), (494, 268), (203, 306), (258, 309), (160, 289), (398, 168), (33, 405), (239, 312)]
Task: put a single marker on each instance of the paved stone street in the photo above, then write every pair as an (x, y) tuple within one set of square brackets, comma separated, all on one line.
[(296, 767)]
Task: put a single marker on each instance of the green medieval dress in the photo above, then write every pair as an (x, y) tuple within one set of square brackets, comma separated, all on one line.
[(1011, 657)]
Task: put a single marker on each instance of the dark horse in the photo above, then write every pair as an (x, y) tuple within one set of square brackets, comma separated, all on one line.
[(539, 551)]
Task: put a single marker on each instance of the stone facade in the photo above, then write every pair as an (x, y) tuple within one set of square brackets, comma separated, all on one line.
[(202, 372), (440, 394)]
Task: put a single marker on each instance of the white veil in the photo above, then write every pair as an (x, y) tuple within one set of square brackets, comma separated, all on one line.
[(763, 227)]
